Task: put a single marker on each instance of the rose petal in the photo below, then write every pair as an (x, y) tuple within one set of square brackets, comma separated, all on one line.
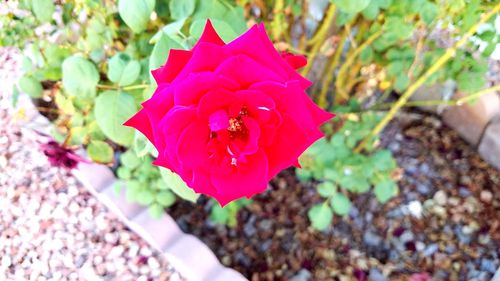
[(210, 35), (288, 144), (191, 148), (176, 61), (253, 71), (256, 44), (218, 120), (246, 180), (140, 121)]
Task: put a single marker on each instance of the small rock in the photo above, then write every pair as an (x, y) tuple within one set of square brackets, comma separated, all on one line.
[(376, 275), (486, 196), (488, 265), (423, 189), (415, 208), (440, 197), (372, 239), (303, 275), (430, 250)]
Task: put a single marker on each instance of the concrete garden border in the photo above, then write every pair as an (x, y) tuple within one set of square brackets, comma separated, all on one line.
[(187, 254)]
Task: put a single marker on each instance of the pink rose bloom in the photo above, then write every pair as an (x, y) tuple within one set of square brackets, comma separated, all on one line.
[(228, 117)]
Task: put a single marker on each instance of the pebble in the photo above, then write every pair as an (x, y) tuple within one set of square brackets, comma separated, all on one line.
[(303, 275), (376, 275), (372, 239), (440, 198), (430, 250), (488, 265), (486, 196), (415, 208)]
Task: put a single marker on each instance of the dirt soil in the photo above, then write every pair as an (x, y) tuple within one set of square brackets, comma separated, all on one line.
[(443, 224)]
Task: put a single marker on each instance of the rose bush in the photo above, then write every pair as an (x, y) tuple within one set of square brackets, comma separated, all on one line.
[(228, 117)]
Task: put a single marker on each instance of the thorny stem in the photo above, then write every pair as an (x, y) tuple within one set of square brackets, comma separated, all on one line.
[(339, 83), (450, 52), (319, 38)]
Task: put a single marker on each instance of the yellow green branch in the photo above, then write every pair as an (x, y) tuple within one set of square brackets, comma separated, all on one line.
[(339, 83), (320, 37)]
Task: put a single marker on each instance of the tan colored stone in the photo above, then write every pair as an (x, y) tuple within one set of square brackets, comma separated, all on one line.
[(489, 148), (470, 120)]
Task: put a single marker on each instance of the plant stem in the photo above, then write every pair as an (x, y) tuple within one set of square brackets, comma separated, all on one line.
[(128, 88), (106, 87), (339, 83), (457, 102), (330, 71), (477, 94), (136, 87), (320, 37), (450, 52)]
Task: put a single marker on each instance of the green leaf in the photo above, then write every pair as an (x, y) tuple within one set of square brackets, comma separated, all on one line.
[(402, 82), (351, 6), (111, 110), (80, 77), (181, 8), (177, 185), (383, 161), (326, 189), (31, 86), (136, 13), (130, 160), (100, 152), (470, 82), (218, 214), (225, 31), (123, 70), (385, 190), (340, 204), (429, 12), (156, 210), (366, 55), (321, 216), (145, 197), (165, 198), (123, 173), (43, 9)]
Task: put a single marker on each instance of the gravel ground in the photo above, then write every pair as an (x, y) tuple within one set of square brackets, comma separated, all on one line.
[(51, 228)]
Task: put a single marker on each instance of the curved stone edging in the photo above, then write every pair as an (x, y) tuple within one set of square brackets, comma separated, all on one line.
[(189, 255)]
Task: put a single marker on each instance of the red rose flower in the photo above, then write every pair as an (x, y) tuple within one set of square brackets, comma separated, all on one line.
[(229, 117)]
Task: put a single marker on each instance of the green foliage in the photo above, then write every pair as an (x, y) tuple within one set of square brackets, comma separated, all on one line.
[(177, 185), (321, 216), (351, 6), (43, 9), (31, 86), (144, 183), (342, 171), (123, 70), (229, 214), (80, 77), (136, 13), (112, 109), (100, 152)]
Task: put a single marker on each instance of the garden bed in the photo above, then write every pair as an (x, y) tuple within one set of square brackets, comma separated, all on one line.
[(443, 222)]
